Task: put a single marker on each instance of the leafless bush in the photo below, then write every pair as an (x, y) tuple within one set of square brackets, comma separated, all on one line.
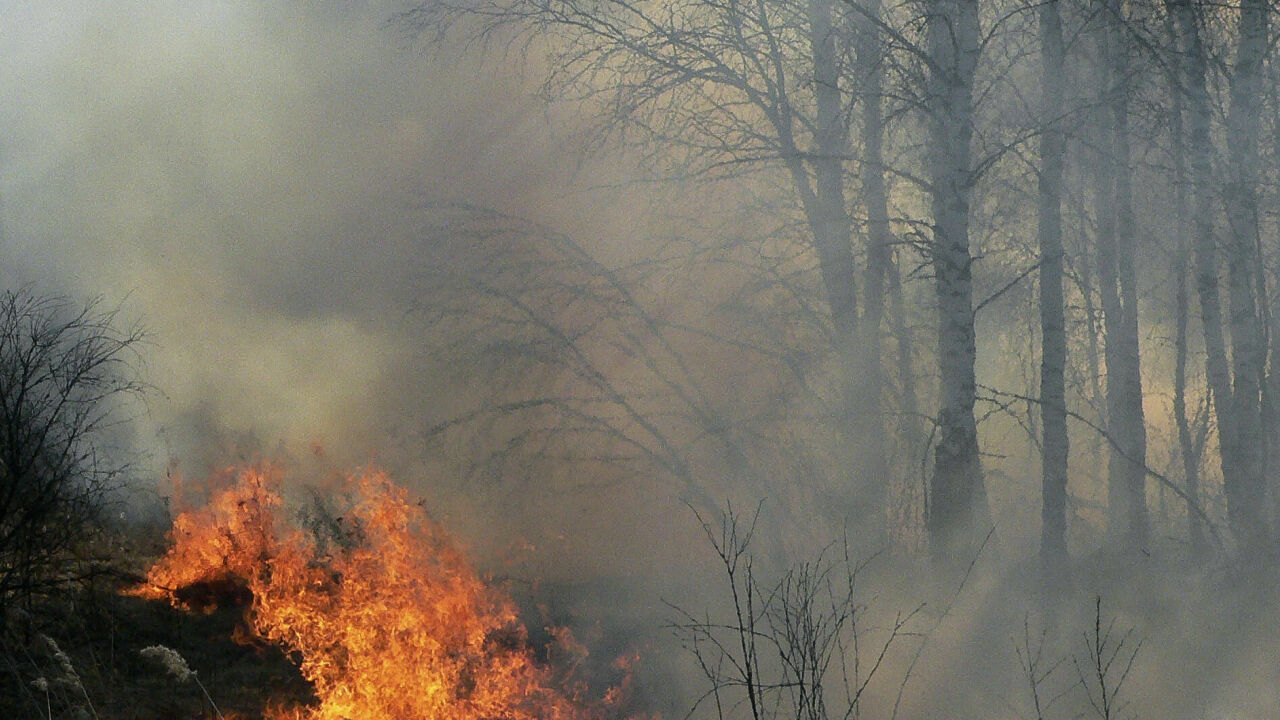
[(1105, 665), (63, 368), (1103, 662), (1039, 671), (796, 647)]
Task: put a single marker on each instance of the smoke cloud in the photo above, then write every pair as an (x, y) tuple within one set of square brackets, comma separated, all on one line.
[(250, 182), (247, 180)]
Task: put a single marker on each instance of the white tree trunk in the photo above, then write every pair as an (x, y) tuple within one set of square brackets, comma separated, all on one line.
[(957, 500)]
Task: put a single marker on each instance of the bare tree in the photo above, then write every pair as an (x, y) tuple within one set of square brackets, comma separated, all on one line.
[(1038, 670), (1117, 277), (1246, 487), (63, 370), (585, 364), (1192, 431), (816, 109), (957, 501), (716, 90), (1053, 339), (1235, 378)]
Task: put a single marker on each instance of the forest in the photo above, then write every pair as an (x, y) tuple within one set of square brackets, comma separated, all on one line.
[(697, 358), (979, 212)]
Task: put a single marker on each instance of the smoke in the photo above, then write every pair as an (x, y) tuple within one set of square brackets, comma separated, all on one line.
[(246, 179), (250, 181)]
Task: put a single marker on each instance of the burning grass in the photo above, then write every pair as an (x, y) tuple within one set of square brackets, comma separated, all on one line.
[(382, 613)]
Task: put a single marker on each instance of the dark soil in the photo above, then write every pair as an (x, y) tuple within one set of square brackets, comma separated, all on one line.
[(100, 633)]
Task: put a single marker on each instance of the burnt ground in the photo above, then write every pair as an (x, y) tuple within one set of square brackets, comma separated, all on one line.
[(93, 667)]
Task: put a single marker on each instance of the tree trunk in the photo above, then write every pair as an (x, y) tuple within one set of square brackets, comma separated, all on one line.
[(1053, 338), (1271, 386), (819, 179), (825, 206), (910, 427), (860, 422), (1189, 448), (1126, 422), (869, 53), (1092, 352), (1199, 116), (1246, 491), (1239, 418), (957, 501)]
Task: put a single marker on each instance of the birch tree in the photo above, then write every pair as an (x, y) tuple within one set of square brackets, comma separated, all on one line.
[(1235, 380), (1053, 340), (1190, 442), (1245, 487), (1117, 277), (957, 499), (1195, 84)]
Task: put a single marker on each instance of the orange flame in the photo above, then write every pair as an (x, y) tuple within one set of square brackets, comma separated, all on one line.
[(388, 618)]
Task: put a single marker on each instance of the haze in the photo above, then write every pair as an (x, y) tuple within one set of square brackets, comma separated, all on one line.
[(571, 296)]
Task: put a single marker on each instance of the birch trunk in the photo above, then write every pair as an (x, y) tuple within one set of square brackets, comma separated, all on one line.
[(957, 502), (1053, 340), (1126, 423), (1189, 448)]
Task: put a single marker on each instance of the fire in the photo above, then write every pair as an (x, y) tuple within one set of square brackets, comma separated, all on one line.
[(388, 618)]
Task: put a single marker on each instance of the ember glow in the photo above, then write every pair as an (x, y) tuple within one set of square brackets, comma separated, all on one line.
[(387, 617)]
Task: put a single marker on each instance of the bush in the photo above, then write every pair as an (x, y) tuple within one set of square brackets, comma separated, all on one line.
[(64, 368)]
